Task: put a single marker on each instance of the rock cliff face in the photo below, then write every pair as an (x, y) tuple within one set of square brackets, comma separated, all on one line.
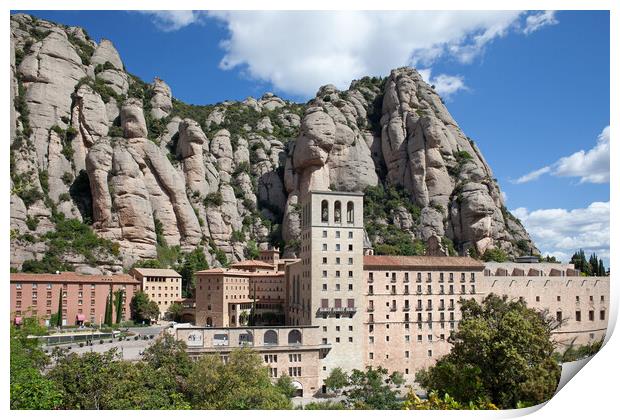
[(91, 142)]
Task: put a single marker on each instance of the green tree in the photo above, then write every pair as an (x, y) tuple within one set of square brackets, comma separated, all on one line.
[(142, 308), (372, 389), (108, 309), (324, 405), (336, 380), (59, 318), (286, 387), (30, 390), (118, 303), (193, 262), (251, 250), (435, 402), (502, 353), (175, 311), (101, 381), (495, 254), (210, 383)]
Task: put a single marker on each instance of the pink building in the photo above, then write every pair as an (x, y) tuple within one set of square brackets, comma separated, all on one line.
[(83, 296)]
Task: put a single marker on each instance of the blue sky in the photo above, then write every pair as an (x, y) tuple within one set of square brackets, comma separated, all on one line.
[(531, 88)]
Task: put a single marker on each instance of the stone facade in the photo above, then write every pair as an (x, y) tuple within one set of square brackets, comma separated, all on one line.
[(225, 296), (161, 285), (292, 351)]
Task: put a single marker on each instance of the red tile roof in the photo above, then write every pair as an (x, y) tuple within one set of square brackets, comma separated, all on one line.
[(69, 277), (252, 263), (421, 262)]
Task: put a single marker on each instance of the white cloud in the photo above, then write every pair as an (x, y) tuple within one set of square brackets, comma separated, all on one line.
[(536, 21), (172, 20), (533, 175), (445, 85), (589, 166), (300, 51), (561, 232)]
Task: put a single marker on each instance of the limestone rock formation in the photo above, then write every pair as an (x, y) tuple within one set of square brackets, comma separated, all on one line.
[(216, 177)]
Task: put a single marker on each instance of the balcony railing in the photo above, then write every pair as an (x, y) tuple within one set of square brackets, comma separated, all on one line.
[(406, 308), (393, 309), (370, 309)]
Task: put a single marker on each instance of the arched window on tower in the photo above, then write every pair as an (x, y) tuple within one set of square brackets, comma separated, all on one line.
[(350, 214), (324, 211), (337, 212)]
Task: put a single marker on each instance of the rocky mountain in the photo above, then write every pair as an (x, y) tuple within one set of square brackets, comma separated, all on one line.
[(107, 170)]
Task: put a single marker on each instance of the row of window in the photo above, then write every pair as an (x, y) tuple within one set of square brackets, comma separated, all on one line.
[(429, 289), (371, 356), (18, 286), (419, 306), (159, 288), (429, 321), (324, 340), (429, 338), (337, 287), (392, 276), (48, 302), (337, 249), (558, 316), (337, 303)]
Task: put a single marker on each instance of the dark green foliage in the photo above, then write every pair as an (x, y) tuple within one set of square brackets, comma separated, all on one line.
[(237, 236), (523, 246), (59, 313), (336, 380), (573, 353), (285, 386), (143, 309), (30, 390), (213, 199), (48, 264), (373, 389), (324, 405), (118, 304), (210, 382), (105, 66), (32, 222), (109, 310), (251, 250), (448, 245), (194, 261), (495, 254), (592, 266), (71, 235), (67, 178), (115, 131), (502, 353), (461, 157), (147, 264), (84, 49), (380, 204), (159, 232)]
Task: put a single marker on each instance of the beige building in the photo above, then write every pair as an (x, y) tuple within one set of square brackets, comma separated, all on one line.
[(162, 285), (324, 287), (391, 311), (292, 351), (226, 296)]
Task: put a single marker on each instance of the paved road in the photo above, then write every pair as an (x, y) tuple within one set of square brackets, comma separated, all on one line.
[(130, 348)]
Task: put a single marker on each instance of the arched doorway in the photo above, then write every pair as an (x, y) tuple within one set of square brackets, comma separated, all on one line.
[(299, 389)]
